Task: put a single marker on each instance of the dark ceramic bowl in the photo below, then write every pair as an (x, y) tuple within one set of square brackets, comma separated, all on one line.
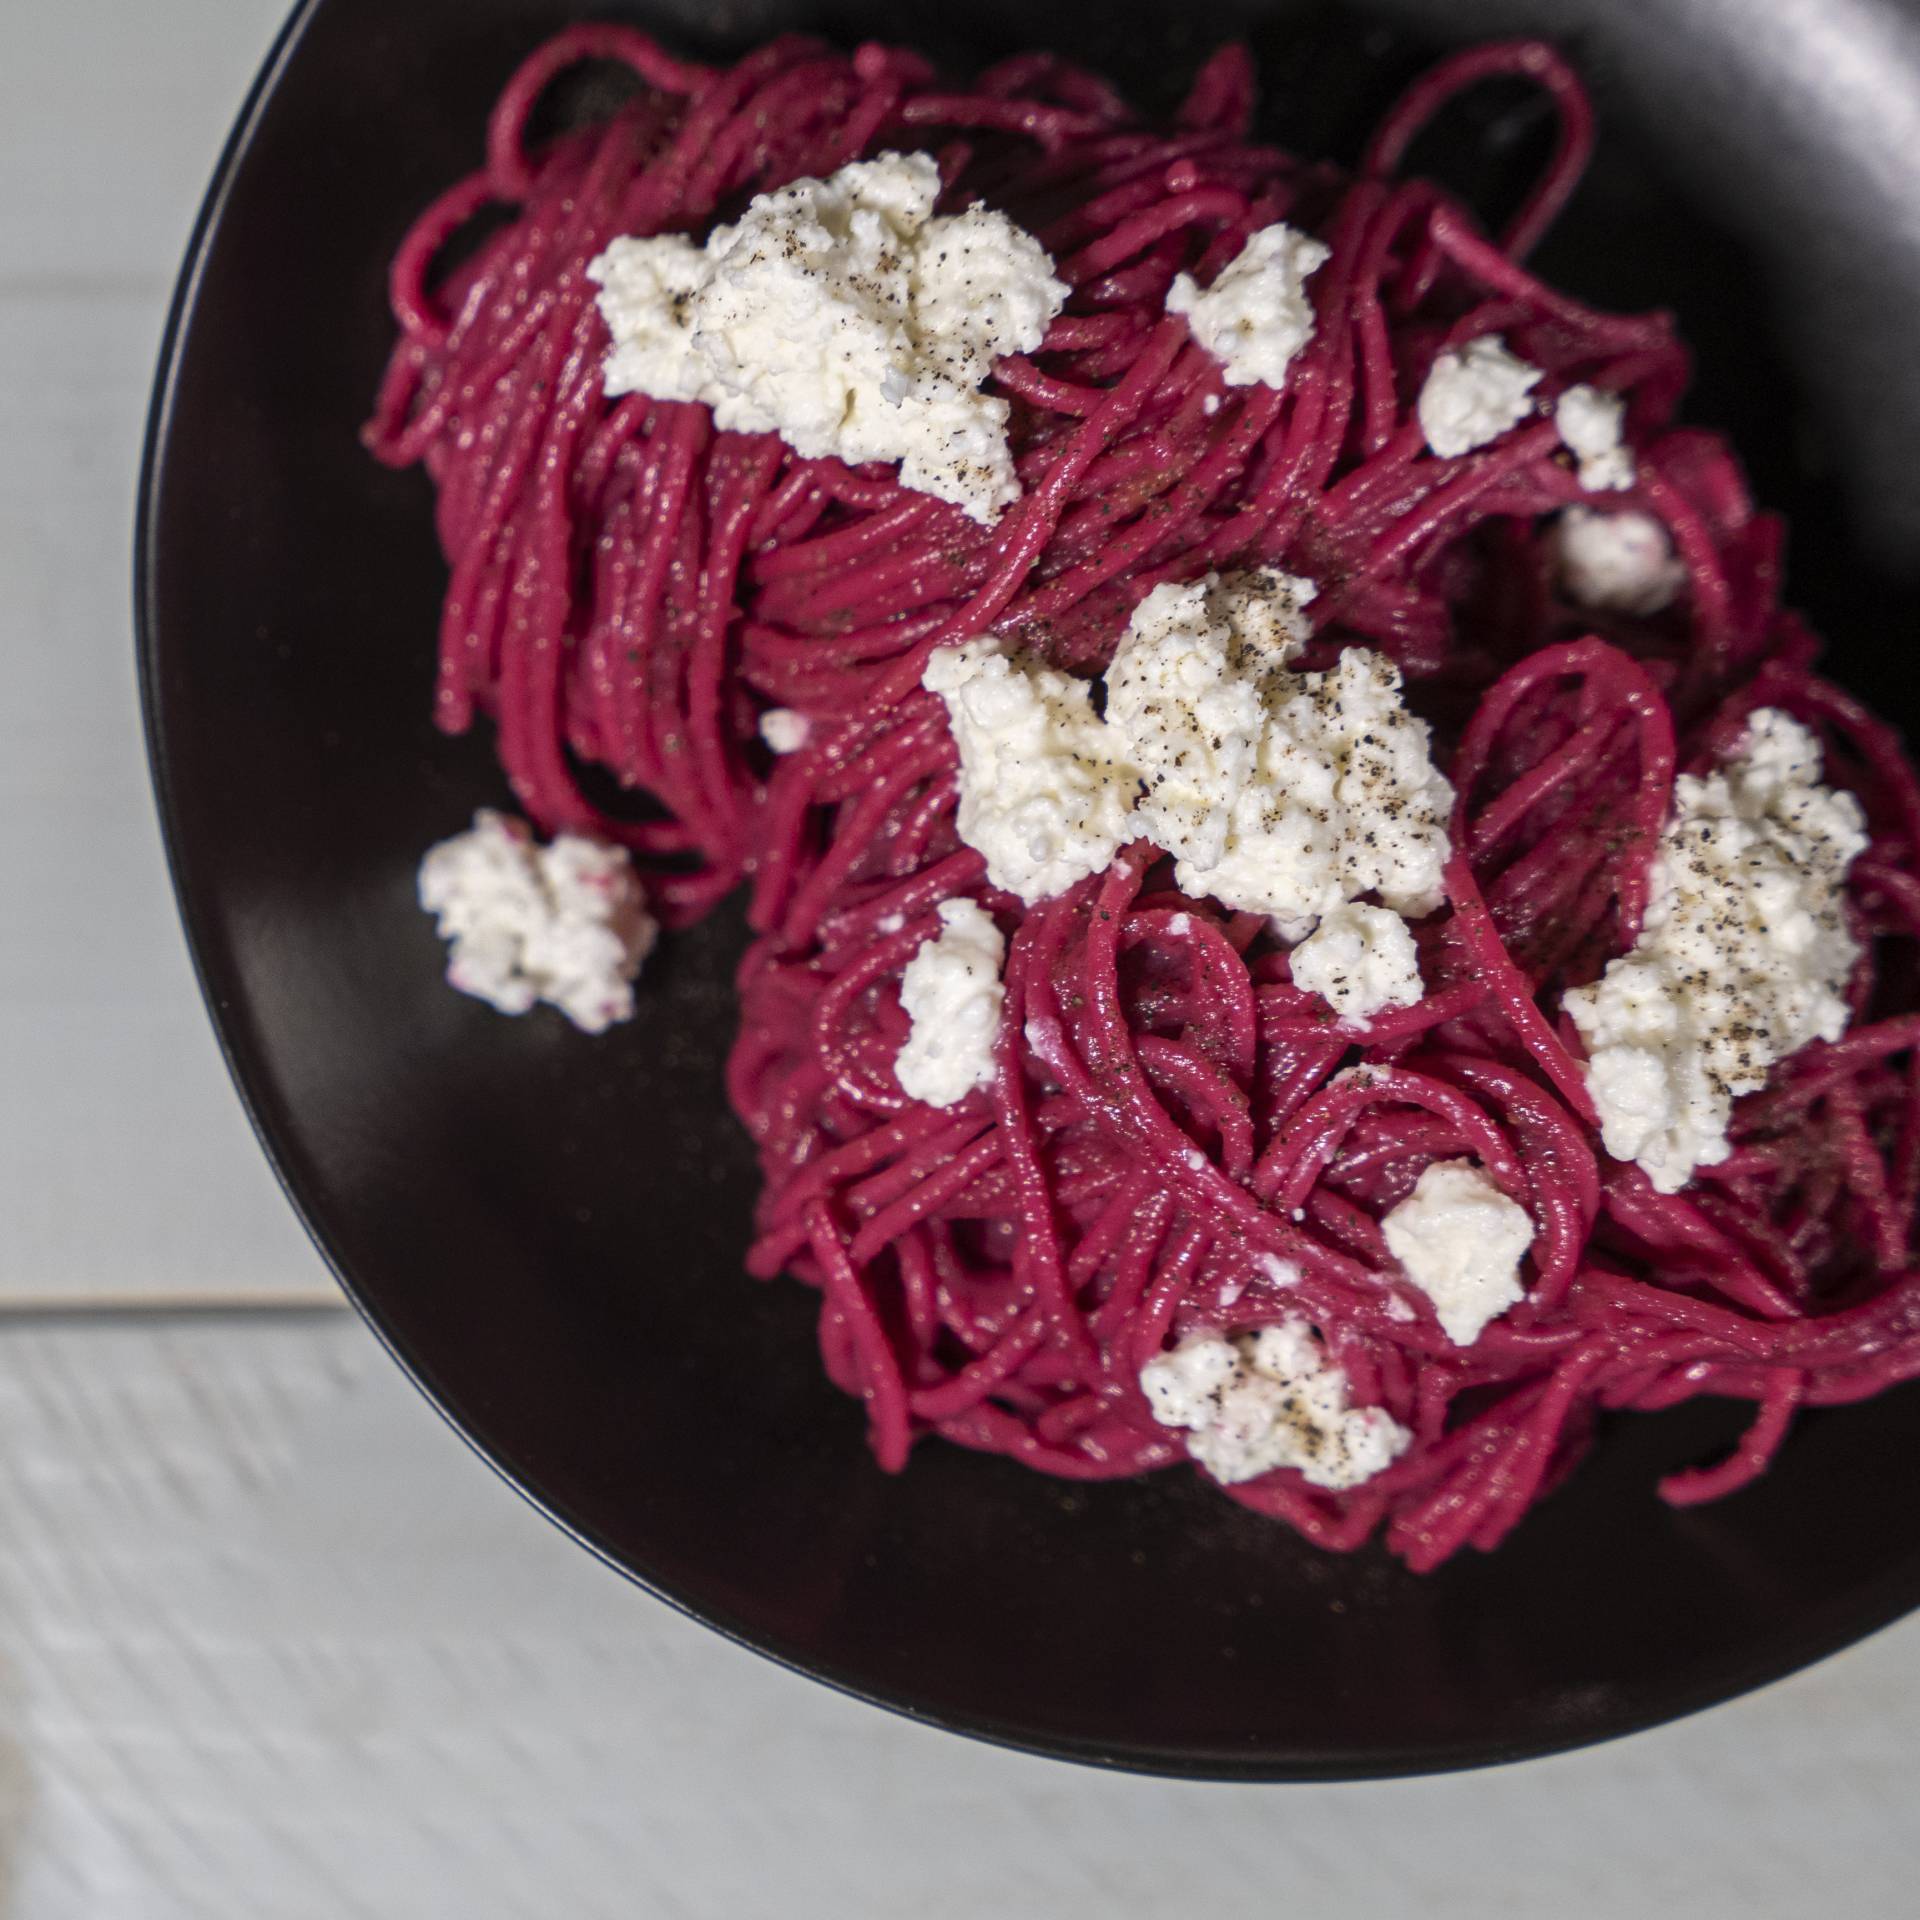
[(547, 1230)]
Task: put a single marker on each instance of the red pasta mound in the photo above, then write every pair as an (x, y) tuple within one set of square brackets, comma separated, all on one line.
[(630, 589)]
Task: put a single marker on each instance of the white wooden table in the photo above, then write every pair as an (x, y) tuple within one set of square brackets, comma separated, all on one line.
[(272, 1643)]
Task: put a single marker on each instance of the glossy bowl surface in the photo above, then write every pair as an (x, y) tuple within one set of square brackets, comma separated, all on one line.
[(547, 1230)]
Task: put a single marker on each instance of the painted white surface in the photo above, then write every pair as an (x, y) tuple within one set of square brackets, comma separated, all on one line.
[(126, 1165), (272, 1643)]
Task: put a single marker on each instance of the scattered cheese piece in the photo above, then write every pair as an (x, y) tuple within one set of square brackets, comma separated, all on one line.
[(1616, 562), (1473, 394), (1460, 1240), (565, 923), (1278, 1272), (1268, 1400), (1360, 960), (1187, 696), (1277, 792), (844, 316), (1256, 316), (1742, 960), (1590, 424), (784, 730), (951, 989), (1345, 800), (1040, 794)]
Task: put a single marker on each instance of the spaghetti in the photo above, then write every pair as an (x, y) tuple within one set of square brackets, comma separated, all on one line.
[(1170, 1123)]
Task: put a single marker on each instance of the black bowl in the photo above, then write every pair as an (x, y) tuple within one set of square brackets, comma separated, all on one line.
[(547, 1230)]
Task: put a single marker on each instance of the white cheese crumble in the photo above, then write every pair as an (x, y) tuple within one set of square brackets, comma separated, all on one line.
[(844, 316), (784, 730), (1460, 1240), (1616, 562), (1256, 316), (1360, 960), (1473, 394), (1268, 1400), (1040, 794), (565, 923), (1187, 697), (951, 990), (1590, 424), (1345, 800), (1742, 959), (1276, 792)]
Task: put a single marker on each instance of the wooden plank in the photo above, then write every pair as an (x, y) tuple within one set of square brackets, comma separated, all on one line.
[(273, 1642), (126, 1166)]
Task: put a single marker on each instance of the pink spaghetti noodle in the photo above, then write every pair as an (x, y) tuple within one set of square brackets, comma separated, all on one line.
[(630, 589)]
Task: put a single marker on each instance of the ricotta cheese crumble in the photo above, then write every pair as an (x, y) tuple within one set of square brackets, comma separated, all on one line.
[(1345, 800), (1256, 316), (1276, 792), (784, 730), (1742, 960), (1187, 697), (951, 990), (566, 923), (1460, 1240), (1040, 794), (1360, 960), (1473, 394), (1270, 1399), (1590, 424), (845, 316), (1616, 562)]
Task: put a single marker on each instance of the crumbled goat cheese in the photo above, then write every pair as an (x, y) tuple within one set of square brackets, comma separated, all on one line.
[(1256, 316), (1277, 792), (784, 730), (1345, 800), (1460, 1240), (1616, 562), (951, 990), (844, 316), (1269, 1400), (565, 923), (1473, 394), (1360, 960), (1040, 795), (1741, 961), (1590, 423), (1278, 1272), (1187, 695)]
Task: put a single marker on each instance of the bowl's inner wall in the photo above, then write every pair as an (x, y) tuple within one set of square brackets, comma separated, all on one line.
[(549, 1228)]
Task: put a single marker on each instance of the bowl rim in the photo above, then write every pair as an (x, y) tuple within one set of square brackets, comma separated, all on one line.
[(1879, 1605)]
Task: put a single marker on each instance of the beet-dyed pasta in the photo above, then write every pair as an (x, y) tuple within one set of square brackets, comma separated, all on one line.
[(1170, 1122)]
